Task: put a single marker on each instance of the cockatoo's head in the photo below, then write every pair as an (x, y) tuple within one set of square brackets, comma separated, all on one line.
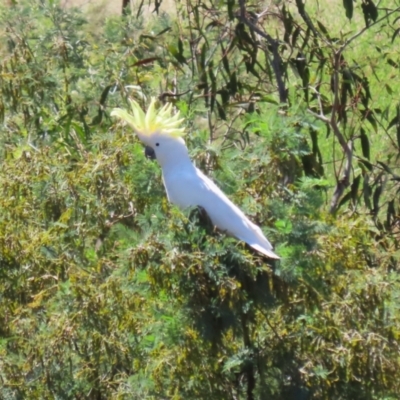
[(159, 130)]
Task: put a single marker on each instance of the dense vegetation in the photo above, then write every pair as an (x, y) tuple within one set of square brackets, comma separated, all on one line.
[(109, 292)]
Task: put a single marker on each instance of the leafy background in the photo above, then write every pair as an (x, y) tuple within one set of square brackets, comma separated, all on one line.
[(107, 291)]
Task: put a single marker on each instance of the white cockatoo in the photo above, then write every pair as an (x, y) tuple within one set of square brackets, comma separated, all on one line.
[(161, 133)]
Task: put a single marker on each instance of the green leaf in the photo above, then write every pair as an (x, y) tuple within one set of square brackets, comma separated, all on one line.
[(270, 100), (369, 115), (385, 167), (348, 5), (221, 111), (395, 34), (371, 10), (366, 164), (295, 36), (390, 213), (376, 197), (354, 188), (365, 144), (284, 226), (323, 29), (347, 197), (367, 191), (230, 4), (177, 52)]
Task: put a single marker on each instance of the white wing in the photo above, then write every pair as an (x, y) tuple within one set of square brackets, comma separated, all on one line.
[(190, 187)]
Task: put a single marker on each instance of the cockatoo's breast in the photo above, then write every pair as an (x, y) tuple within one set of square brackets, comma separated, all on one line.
[(182, 185)]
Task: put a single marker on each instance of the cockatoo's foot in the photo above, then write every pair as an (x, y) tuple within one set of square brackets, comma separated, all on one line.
[(200, 214)]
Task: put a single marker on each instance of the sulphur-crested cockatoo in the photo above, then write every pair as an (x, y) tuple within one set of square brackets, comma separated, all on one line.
[(186, 186)]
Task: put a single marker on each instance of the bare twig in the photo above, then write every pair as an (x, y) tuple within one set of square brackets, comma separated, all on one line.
[(163, 95)]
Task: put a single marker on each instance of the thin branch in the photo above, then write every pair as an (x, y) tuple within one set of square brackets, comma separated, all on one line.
[(321, 109), (277, 60), (356, 35), (344, 182), (163, 95), (336, 64), (262, 13), (319, 116), (210, 127), (273, 329)]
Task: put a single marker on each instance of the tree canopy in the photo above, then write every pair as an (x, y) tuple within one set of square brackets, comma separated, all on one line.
[(109, 292)]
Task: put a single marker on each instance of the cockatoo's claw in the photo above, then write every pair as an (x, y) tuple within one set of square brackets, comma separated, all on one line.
[(199, 216), (205, 219)]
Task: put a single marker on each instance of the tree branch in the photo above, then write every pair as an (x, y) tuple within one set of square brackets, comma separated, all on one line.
[(344, 182), (356, 35)]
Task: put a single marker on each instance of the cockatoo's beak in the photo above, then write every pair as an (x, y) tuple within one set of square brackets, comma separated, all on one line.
[(150, 153)]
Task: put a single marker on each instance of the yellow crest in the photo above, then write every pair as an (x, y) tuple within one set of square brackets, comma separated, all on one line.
[(153, 121)]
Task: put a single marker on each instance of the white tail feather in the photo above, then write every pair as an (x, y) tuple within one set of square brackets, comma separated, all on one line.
[(262, 250)]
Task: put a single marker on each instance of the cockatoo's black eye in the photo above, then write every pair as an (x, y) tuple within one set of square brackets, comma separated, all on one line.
[(157, 144)]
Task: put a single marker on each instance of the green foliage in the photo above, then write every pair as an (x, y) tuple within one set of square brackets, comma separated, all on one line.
[(107, 291)]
